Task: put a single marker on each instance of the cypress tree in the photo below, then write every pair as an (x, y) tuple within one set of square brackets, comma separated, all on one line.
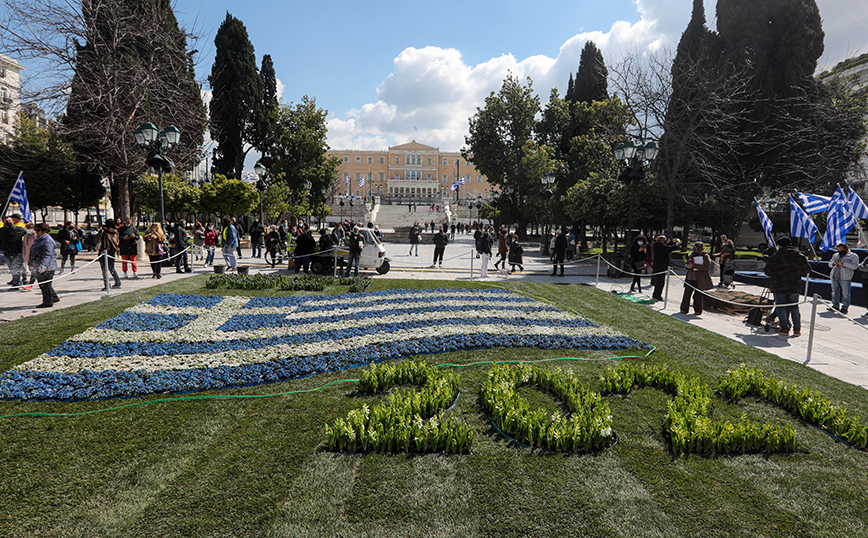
[(236, 97), (592, 83), (267, 112)]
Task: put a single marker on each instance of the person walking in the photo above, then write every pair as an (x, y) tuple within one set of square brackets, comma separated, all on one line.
[(199, 241), (69, 246), (257, 232), (108, 245), (697, 280), (502, 248), (11, 244), (661, 253), (239, 228), (230, 243), (305, 246), (843, 264), (515, 255), (415, 236), (483, 247), (43, 262), (356, 243), (638, 253), (28, 276), (440, 242), (155, 248), (785, 269), (210, 243), (129, 248), (182, 245), (559, 252)]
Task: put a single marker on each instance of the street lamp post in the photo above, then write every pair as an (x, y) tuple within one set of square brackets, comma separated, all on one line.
[(547, 181), (261, 185), (635, 154), (149, 136)]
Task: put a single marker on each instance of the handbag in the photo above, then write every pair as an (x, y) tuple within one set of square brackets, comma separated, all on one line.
[(160, 250), (755, 316)]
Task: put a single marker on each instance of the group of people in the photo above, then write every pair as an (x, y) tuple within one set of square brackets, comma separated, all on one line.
[(30, 250)]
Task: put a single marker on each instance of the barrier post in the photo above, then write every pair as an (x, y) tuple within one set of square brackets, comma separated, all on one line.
[(105, 272), (811, 329), (335, 261), (598, 270), (666, 291)]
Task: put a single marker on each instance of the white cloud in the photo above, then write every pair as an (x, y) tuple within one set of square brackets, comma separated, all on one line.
[(433, 90)]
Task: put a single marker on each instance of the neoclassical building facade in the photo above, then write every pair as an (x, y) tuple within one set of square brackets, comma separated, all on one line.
[(411, 172)]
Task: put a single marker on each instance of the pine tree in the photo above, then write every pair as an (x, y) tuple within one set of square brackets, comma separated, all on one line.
[(237, 95)]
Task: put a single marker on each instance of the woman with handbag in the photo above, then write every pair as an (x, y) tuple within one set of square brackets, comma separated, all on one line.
[(698, 278), (155, 248)]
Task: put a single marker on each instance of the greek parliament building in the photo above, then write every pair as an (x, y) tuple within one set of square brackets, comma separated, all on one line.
[(410, 172)]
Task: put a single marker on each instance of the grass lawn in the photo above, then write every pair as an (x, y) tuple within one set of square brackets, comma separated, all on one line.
[(257, 467)]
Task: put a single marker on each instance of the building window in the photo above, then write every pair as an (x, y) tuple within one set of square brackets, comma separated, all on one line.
[(429, 160), (456, 162), (444, 178), (346, 159), (479, 179), (397, 160), (370, 160), (428, 177), (382, 176), (358, 160), (445, 161), (382, 160)]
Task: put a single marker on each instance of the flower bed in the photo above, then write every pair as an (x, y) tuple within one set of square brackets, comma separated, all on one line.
[(176, 343)]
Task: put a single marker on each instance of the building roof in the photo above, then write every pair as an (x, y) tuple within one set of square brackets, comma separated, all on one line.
[(413, 146)]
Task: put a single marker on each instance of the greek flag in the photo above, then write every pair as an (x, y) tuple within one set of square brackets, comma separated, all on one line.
[(766, 223), (461, 180), (814, 203), (19, 196), (839, 221), (857, 206), (801, 224), (348, 180), (362, 181), (454, 186)]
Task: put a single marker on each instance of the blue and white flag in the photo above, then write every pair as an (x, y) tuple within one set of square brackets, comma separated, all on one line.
[(857, 206), (801, 224), (19, 196), (461, 180), (814, 203), (766, 223), (348, 180), (362, 181), (454, 186), (839, 221)]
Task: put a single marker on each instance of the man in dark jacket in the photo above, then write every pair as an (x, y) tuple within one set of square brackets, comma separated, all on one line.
[(305, 245), (11, 245), (440, 241), (256, 233), (182, 243), (356, 243), (559, 252), (785, 269)]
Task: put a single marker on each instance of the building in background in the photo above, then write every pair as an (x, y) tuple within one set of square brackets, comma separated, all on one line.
[(408, 173), (10, 96)]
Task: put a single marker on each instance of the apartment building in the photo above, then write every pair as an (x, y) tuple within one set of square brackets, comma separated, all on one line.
[(10, 96)]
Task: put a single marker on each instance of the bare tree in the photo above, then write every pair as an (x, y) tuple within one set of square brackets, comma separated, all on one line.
[(110, 65)]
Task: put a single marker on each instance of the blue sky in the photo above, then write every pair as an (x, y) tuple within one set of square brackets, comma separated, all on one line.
[(385, 68)]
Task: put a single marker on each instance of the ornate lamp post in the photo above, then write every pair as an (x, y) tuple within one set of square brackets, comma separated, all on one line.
[(157, 141), (261, 185), (635, 154), (546, 193)]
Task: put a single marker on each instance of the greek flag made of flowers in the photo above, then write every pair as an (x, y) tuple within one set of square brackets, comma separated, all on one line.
[(176, 343)]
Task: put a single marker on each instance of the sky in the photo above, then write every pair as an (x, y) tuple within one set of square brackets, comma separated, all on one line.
[(389, 72)]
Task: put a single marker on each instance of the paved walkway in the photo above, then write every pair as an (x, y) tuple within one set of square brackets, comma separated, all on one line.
[(838, 346)]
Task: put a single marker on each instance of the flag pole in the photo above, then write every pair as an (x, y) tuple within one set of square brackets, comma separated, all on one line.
[(9, 198), (858, 227)]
